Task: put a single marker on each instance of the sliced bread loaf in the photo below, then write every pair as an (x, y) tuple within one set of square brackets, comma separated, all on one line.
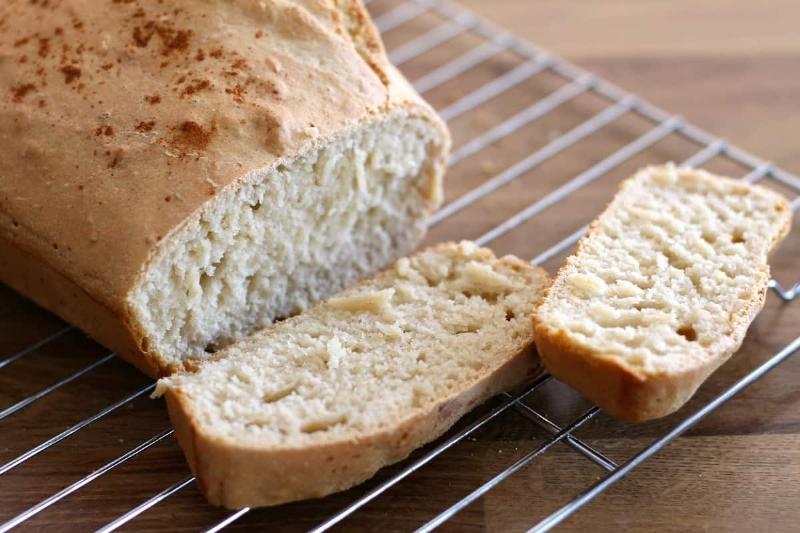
[(319, 402), (178, 174), (661, 290)]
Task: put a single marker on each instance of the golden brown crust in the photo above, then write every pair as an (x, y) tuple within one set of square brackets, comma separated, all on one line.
[(119, 121), (626, 392), (237, 476)]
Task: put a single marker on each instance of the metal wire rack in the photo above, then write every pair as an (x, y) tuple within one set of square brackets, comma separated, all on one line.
[(486, 48)]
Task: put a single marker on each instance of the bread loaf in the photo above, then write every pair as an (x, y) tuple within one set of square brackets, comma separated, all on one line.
[(661, 290), (319, 402), (175, 175)]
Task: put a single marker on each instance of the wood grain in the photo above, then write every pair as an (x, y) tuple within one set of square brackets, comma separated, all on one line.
[(731, 67)]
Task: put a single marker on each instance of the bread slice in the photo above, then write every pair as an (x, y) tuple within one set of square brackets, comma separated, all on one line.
[(319, 402), (661, 290), (177, 174)]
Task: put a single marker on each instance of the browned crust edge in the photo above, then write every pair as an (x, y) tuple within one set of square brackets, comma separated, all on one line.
[(27, 274), (628, 393), (241, 476)]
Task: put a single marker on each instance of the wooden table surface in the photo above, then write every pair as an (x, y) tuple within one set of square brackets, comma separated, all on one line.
[(731, 67)]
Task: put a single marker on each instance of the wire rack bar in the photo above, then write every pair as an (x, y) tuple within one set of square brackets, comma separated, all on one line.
[(44, 392), (550, 150), (461, 64), (35, 346), (144, 506), (497, 86), (73, 429), (66, 491), (557, 517), (757, 173), (706, 154), (431, 39), (787, 295), (401, 14), (560, 247), (533, 112), (228, 521), (598, 170), (577, 444), (489, 485)]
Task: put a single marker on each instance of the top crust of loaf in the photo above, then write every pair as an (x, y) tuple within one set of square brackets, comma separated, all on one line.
[(119, 120), (661, 290)]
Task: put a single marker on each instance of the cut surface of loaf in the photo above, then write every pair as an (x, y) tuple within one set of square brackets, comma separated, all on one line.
[(317, 403), (177, 174), (289, 236), (661, 290)]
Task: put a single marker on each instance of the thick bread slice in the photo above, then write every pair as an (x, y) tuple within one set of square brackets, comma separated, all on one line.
[(177, 174), (319, 402), (661, 290)]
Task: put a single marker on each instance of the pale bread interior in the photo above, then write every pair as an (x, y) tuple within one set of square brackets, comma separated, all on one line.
[(670, 272), (364, 361), (284, 238)]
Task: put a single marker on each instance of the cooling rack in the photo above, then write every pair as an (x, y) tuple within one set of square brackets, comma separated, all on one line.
[(539, 147)]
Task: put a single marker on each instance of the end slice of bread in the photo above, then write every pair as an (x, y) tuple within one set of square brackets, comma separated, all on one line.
[(661, 290), (321, 401)]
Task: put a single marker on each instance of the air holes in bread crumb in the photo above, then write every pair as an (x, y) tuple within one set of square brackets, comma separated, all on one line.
[(738, 236), (687, 332), (205, 278), (211, 347), (490, 297), (510, 315)]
